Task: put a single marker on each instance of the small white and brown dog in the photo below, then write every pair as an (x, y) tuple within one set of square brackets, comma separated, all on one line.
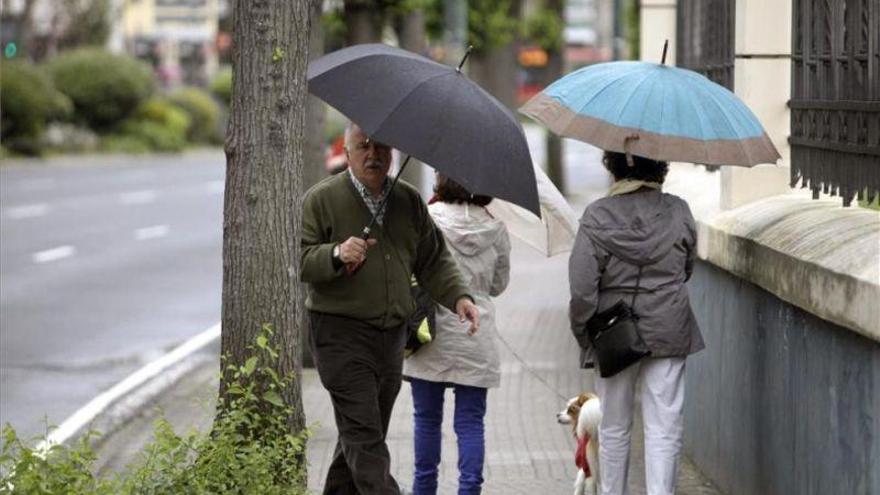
[(584, 413)]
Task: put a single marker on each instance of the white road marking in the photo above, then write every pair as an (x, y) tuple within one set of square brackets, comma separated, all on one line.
[(27, 211), (53, 254), (138, 197), (154, 232), (90, 411), (215, 186)]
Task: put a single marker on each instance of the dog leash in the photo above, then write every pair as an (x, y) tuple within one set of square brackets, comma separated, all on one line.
[(529, 368)]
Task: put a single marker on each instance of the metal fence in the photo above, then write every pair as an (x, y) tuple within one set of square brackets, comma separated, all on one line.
[(705, 38), (835, 104)]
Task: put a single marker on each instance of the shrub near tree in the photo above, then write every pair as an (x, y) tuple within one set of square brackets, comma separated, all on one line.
[(28, 101), (203, 112), (250, 448), (105, 88)]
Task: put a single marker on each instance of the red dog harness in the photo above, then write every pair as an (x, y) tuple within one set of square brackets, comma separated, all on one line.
[(580, 455)]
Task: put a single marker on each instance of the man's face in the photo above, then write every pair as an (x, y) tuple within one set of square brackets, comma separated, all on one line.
[(369, 160)]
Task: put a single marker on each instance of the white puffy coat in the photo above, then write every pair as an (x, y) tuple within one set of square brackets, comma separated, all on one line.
[(481, 246)]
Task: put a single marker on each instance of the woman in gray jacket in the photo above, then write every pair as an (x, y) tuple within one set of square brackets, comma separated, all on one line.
[(638, 226)]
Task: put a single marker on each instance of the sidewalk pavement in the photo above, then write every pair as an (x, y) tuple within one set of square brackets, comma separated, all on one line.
[(527, 452)]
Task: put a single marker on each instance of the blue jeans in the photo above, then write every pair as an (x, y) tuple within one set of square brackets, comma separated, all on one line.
[(470, 409)]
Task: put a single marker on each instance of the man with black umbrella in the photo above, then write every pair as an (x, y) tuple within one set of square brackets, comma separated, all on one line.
[(358, 307)]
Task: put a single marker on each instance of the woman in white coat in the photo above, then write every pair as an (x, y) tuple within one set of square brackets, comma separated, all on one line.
[(468, 364)]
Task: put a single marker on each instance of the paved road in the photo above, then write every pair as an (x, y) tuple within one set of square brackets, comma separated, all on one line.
[(105, 263)]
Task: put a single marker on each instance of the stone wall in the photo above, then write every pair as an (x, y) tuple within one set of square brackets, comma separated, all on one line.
[(781, 401)]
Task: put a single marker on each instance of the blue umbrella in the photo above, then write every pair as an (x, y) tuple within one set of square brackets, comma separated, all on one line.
[(655, 111)]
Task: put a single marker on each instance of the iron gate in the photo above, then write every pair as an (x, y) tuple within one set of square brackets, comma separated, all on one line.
[(835, 104)]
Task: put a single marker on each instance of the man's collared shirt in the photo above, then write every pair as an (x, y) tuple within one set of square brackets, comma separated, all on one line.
[(371, 202)]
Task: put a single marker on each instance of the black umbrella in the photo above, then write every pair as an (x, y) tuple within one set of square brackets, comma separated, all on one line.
[(432, 112)]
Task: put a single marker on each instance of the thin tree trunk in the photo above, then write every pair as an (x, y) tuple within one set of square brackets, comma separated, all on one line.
[(410, 28), (554, 70), (495, 69), (313, 166), (363, 20), (264, 158)]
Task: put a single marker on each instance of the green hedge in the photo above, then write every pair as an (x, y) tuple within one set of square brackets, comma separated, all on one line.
[(203, 112), (104, 88), (28, 101), (221, 86)]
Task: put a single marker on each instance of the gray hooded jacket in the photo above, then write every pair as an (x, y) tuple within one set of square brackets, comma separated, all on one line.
[(481, 247), (616, 236)]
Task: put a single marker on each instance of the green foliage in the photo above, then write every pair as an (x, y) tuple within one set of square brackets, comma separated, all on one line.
[(28, 101), (55, 470), (203, 112), (490, 24), (544, 28), (871, 205), (166, 113), (632, 18), (250, 449), (221, 86), (105, 88), (156, 136)]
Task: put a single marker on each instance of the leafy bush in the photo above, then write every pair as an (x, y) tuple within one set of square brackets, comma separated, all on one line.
[(203, 112), (28, 101), (105, 88), (221, 86), (157, 136), (249, 450), (162, 111)]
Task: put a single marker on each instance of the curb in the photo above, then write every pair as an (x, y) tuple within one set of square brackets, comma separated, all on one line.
[(115, 406)]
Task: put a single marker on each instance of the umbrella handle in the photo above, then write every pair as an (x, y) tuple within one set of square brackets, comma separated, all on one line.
[(626, 143)]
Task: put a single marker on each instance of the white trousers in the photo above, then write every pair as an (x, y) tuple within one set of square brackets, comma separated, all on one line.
[(662, 398)]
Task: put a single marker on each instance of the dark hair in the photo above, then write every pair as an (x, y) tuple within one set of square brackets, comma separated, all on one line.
[(449, 191), (644, 168)]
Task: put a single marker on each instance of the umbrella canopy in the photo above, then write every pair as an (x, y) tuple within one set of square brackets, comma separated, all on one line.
[(431, 112), (551, 234), (655, 111)]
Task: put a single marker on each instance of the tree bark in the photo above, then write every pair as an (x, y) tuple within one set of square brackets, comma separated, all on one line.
[(410, 29), (363, 21), (495, 68), (263, 198), (554, 70), (313, 166)]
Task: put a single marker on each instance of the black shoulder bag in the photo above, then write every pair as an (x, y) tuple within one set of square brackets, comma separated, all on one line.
[(614, 335)]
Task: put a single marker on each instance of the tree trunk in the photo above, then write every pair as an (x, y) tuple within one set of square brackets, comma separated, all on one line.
[(554, 70), (410, 29), (496, 71), (496, 68), (263, 199), (313, 166), (363, 21)]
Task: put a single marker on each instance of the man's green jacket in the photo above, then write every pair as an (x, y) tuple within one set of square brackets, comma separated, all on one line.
[(408, 243)]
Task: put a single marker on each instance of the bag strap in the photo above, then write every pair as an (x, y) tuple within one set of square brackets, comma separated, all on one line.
[(632, 303)]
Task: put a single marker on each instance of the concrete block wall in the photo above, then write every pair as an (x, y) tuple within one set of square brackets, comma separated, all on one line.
[(780, 402)]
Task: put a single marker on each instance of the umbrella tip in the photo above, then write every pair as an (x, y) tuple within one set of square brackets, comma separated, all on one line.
[(665, 46), (466, 55)]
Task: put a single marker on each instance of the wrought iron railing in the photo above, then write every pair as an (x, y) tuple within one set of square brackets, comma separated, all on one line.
[(705, 38), (835, 103)]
